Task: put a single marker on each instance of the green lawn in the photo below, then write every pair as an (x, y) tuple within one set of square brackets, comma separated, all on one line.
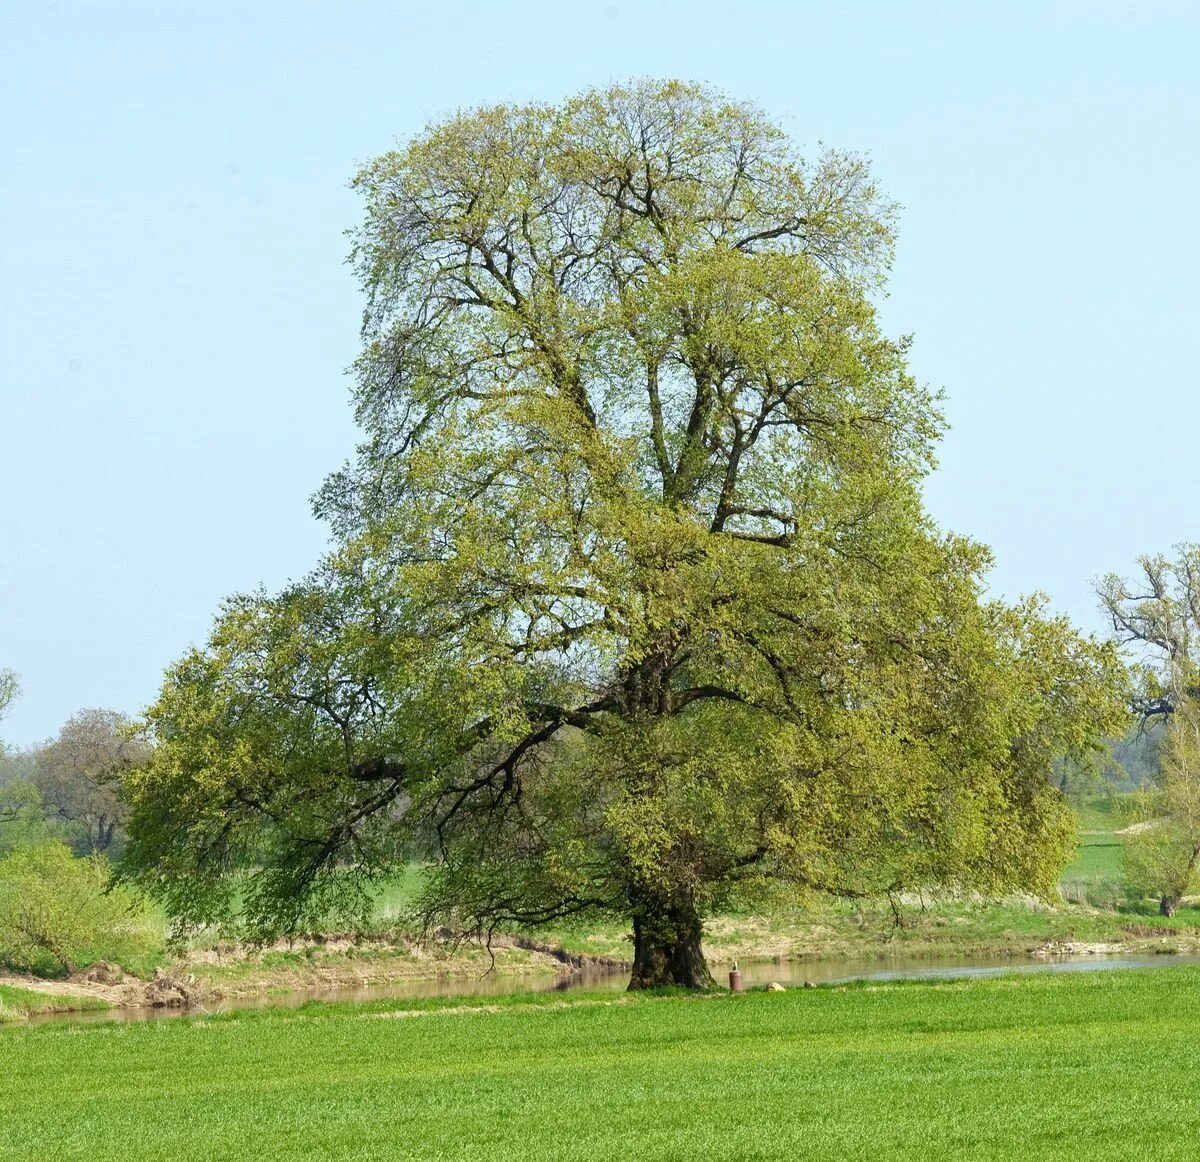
[(1095, 875), (1099, 1065), (1099, 857), (16, 1004)]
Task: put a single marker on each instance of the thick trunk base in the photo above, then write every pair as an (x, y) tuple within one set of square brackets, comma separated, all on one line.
[(1167, 905), (666, 950)]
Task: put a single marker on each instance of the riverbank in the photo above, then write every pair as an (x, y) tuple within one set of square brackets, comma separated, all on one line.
[(1093, 918), (823, 942), (305, 968), (934, 927)]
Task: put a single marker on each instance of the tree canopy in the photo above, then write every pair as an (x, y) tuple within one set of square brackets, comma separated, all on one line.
[(634, 605), (10, 687), (79, 775), (1155, 615)]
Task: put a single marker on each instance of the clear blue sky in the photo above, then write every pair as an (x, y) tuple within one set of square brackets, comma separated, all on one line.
[(175, 315)]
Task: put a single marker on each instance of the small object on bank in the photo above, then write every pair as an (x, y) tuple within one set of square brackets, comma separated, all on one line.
[(735, 979)]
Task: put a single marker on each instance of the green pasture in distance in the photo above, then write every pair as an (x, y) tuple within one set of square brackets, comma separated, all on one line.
[(1095, 875)]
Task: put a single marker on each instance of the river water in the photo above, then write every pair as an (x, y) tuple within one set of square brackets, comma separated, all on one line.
[(790, 974)]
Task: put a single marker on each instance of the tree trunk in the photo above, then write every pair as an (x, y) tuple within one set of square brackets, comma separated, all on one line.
[(104, 834), (1168, 904), (666, 924), (666, 947)]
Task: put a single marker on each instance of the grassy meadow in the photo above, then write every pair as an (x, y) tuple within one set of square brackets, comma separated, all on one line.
[(1058, 1065), (19, 1004), (1095, 875)]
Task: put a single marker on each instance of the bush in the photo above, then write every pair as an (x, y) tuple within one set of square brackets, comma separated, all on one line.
[(59, 913), (1160, 861)]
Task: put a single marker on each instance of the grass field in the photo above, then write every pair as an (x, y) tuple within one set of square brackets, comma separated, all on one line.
[(1099, 1065), (1095, 875), (16, 1004)]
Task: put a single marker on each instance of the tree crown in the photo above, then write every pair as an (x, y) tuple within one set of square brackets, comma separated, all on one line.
[(634, 602)]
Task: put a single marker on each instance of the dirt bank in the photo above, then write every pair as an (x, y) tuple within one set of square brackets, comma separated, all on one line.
[(108, 982), (305, 965)]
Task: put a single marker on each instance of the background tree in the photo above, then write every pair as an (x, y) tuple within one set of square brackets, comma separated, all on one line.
[(1156, 616), (635, 604), (79, 776), (14, 804), (1126, 763), (1136, 757), (10, 687), (22, 818), (1162, 857)]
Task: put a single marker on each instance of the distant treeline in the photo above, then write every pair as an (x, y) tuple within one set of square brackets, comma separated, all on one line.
[(69, 788)]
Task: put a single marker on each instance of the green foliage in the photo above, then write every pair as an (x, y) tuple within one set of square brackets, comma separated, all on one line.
[(22, 816), (634, 605), (1157, 614), (79, 774), (10, 687), (1157, 862), (1101, 1061), (58, 913)]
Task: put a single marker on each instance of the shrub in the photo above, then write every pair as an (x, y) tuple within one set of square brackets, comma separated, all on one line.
[(59, 913), (1161, 861)]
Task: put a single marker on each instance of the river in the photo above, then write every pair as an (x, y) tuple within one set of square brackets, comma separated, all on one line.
[(790, 974)]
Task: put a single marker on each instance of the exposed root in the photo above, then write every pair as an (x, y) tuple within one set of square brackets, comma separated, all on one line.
[(579, 961)]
